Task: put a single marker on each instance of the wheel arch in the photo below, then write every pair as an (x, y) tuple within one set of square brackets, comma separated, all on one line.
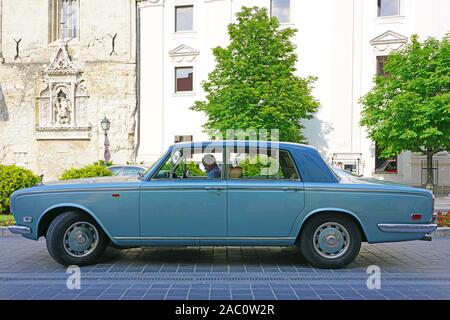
[(52, 212), (324, 211)]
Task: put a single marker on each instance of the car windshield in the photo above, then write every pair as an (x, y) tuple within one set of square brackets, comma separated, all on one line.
[(143, 174), (115, 170), (343, 172)]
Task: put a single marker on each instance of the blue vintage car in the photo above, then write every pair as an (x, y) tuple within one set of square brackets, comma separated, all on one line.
[(224, 193)]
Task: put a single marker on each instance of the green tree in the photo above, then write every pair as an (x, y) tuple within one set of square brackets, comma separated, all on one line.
[(253, 85), (409, 109)]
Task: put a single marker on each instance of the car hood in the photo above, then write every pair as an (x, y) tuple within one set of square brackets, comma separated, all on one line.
[(101, 180), (115, 182)]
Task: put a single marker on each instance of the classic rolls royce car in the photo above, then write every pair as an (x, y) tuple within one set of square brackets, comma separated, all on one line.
[(224, 193)]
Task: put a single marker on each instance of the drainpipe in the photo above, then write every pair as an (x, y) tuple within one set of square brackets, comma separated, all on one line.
[(2, 60), (138, 80)]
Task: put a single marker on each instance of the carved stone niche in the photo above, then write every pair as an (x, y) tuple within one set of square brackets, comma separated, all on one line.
[(62, 101)]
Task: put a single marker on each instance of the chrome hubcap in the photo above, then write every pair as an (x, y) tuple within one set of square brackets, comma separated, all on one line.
[(80, 239), (331, 240)]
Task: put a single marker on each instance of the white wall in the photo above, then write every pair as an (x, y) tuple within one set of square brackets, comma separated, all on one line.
[(333, 43)]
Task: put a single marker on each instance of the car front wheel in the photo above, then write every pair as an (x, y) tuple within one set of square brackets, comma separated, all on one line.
[(75, 239), (330, 241)]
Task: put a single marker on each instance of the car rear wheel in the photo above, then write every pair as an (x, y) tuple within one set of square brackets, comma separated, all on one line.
[(75, 239), (330, 241)]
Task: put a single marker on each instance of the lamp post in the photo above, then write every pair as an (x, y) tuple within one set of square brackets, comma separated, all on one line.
[(105, 123)]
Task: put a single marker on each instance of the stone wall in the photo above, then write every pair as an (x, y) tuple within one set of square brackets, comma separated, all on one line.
[(110, 81)]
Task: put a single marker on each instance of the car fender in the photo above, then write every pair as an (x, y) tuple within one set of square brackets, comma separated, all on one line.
[(78, 206), (304, 217)]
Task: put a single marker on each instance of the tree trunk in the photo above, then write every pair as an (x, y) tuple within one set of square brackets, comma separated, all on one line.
[(430, 173)]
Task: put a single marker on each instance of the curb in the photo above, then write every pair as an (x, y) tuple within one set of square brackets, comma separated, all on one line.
[(4, 232), (441, 232)]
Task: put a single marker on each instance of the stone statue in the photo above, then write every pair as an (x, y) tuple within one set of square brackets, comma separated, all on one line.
[(62, 110)]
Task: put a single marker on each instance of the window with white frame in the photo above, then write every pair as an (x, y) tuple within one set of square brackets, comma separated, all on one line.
[(381, 62), (184, 79), (388, 8), (66, 12), (281, 9), (184, 18)]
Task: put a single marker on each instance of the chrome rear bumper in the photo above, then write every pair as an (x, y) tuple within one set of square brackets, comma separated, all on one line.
[(408, 228), (19, 229)]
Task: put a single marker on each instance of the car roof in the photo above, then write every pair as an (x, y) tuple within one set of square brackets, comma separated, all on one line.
[(242, 143)]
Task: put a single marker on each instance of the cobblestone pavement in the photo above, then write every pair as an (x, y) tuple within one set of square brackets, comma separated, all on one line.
[(410, 270)]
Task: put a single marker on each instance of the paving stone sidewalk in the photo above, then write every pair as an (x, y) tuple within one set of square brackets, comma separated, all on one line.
[(410, 270)]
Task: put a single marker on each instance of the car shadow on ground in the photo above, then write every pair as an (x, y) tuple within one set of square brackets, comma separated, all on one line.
[(263, 257), (226, 258)]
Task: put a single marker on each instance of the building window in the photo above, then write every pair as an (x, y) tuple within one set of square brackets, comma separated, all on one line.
[(388, 8), (381, 62), (281, 9), (184, 18), (64, 11), (184, 79), (187, 138)]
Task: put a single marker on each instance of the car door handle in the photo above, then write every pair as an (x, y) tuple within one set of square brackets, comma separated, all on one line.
[(215, 188)]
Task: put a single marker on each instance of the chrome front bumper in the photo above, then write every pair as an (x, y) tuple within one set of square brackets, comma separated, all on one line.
[(409, 228), (19, 230)]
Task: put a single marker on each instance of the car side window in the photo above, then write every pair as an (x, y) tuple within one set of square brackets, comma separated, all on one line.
[(193, 163), (261, 164)]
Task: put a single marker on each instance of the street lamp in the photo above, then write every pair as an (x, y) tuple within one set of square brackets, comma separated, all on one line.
[(105, 123)]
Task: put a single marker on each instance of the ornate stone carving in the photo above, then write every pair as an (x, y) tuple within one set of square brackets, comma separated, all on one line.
[(62, 107), (64, 133), (62, 100), (388, 41), (149, 3), (183, 53)]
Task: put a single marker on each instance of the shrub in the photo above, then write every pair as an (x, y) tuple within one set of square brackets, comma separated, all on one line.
[(6, 220), (13, 178), (97, 169), (443, 220)]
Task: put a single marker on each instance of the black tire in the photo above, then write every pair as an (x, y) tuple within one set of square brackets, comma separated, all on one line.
[(56, 234), (338, 260)]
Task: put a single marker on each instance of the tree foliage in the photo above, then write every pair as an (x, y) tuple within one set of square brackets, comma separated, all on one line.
[(253, 84), (410, 108)]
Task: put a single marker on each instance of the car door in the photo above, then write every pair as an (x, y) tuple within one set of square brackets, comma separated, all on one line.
[(263, 205), (181, 204)]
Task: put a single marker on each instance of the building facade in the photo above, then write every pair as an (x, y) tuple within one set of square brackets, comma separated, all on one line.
[(64, 65), (140, 63), (343, 43)]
